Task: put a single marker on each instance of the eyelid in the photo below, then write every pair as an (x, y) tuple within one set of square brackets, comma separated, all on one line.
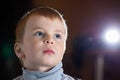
[(35, 31)]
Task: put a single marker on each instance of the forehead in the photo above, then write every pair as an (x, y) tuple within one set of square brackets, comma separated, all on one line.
[(43, 22)]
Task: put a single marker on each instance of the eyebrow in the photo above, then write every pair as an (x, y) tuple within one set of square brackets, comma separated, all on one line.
[(61, 31), (36, 28)]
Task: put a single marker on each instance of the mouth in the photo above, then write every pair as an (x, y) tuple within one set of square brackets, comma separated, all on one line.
[(48, 51)]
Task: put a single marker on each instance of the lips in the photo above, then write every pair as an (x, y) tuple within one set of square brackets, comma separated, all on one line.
[(48, 51)]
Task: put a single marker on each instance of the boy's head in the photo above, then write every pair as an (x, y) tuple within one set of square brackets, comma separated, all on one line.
[(40, 11), (41, 38)]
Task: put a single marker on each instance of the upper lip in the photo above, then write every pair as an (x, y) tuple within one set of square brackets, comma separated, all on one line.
[(49, 51)]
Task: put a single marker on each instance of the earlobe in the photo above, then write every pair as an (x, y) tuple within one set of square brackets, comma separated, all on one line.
[(18, 50)]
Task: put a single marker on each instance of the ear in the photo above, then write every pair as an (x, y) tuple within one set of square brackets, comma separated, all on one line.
[(18, 50)]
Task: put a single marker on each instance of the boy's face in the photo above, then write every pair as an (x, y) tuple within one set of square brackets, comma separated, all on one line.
[(44, 42)]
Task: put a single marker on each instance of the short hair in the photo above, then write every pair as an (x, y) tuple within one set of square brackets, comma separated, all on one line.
[(42, 11)]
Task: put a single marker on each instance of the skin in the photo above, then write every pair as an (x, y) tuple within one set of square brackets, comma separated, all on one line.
[(41, 34)]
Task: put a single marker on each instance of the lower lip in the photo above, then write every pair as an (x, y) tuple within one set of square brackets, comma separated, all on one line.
[(48, 52)]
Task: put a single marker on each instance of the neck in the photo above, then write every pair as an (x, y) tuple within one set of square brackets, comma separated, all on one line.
[(41, 68)]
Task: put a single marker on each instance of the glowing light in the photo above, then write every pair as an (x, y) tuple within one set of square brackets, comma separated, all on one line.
[(112, 36)]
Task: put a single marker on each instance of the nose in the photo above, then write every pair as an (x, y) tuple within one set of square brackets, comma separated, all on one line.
[(49, 41)]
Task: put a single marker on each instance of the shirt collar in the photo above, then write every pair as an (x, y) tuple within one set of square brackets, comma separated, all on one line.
[(53, 74)]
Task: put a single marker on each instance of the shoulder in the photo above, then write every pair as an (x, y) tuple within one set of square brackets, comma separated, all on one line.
[(18, 78), (68, 77)]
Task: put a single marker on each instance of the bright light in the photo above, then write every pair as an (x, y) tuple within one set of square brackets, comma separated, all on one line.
[(112, 36)]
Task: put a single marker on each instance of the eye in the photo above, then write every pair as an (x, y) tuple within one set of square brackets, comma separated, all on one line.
[(39, 33), (58, 36)]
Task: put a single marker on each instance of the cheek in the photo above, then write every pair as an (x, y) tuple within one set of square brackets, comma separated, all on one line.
[(30, 47), (35, 46), (62, 47)]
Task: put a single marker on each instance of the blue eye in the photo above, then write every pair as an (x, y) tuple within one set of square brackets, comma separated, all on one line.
[(58, 36), (39, 33)]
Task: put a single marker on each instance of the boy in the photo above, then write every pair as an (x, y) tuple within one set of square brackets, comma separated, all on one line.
[(41, 36)]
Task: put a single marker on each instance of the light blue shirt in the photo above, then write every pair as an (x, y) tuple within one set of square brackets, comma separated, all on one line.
[(55, 73)]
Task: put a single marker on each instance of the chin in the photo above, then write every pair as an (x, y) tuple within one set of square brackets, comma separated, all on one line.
[(50, 64)]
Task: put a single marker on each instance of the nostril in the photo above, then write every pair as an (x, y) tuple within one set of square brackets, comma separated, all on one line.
[(51, 42), (47, 41)]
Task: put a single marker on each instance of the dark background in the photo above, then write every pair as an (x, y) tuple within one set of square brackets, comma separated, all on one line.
[(86, 20)]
